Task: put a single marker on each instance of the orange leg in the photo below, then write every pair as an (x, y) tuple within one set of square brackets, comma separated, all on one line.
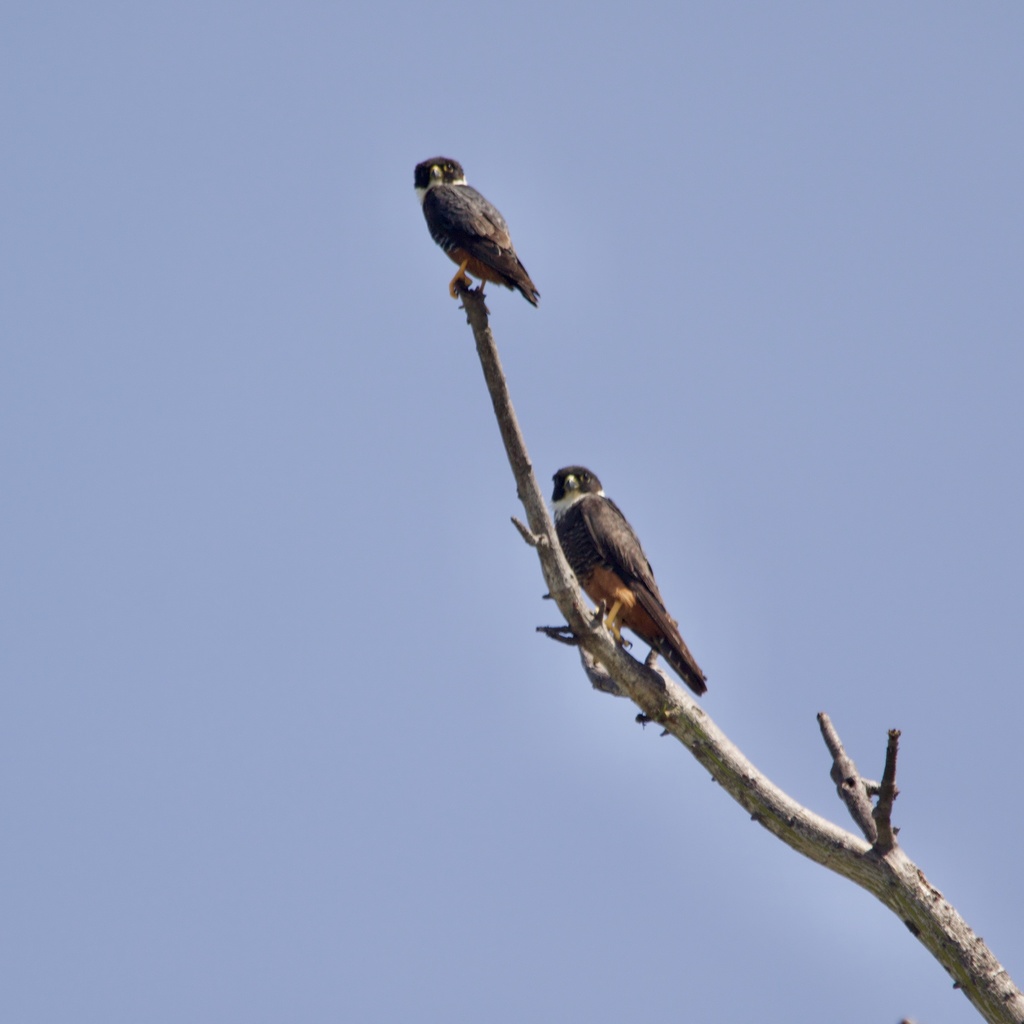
[(460, 276)]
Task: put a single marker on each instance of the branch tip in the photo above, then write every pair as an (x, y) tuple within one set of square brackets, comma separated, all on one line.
[(887, 793), (535, 540), (849, 785)]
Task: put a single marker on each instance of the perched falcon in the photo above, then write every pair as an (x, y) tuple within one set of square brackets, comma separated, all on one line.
[(469, 228), (611, 566)]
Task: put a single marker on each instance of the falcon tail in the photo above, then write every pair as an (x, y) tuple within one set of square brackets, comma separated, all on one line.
[(521, 279), (682, 661)]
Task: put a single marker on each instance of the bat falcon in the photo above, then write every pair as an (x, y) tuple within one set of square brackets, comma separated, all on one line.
[(469, 229), (611, 566)]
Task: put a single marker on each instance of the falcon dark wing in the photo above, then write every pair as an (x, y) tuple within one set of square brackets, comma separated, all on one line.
[(619, 549), (464, 223)]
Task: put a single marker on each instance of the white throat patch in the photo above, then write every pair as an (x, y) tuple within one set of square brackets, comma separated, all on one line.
[(422, 192), (569, 499)]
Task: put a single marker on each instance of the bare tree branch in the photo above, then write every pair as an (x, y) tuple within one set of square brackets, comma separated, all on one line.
[(849, 785), (879, 865), (887, 793)]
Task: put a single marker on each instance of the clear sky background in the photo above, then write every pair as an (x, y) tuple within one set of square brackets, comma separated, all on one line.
[(278, 739)]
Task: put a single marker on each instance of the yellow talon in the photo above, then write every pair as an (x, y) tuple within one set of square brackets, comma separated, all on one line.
[(460, 276)]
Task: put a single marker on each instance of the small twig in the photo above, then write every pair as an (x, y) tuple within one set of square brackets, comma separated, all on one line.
[(535, 540), (563, 634), (849, 785), (887, 793)]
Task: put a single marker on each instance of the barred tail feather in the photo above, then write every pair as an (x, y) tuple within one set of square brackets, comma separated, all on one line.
[(525, 285), (682, 661)]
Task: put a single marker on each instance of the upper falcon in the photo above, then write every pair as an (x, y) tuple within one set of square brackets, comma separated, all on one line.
[(469, 228)]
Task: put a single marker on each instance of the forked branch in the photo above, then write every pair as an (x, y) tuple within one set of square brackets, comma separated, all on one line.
[(876, 862)]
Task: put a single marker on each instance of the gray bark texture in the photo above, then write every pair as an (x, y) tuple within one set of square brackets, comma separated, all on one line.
[(875, 862)]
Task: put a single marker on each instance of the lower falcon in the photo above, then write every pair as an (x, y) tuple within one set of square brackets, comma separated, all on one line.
[(611, 566), (469, 229)]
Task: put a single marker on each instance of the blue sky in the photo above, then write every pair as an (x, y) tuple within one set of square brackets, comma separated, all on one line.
[(279, 741)]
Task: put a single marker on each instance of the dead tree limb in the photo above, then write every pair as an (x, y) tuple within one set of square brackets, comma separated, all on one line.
[(887, 793), (876, 863), (850, 786)]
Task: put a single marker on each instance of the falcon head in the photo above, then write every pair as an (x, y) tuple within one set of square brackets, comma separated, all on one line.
[(571, 484), (439, 170)]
